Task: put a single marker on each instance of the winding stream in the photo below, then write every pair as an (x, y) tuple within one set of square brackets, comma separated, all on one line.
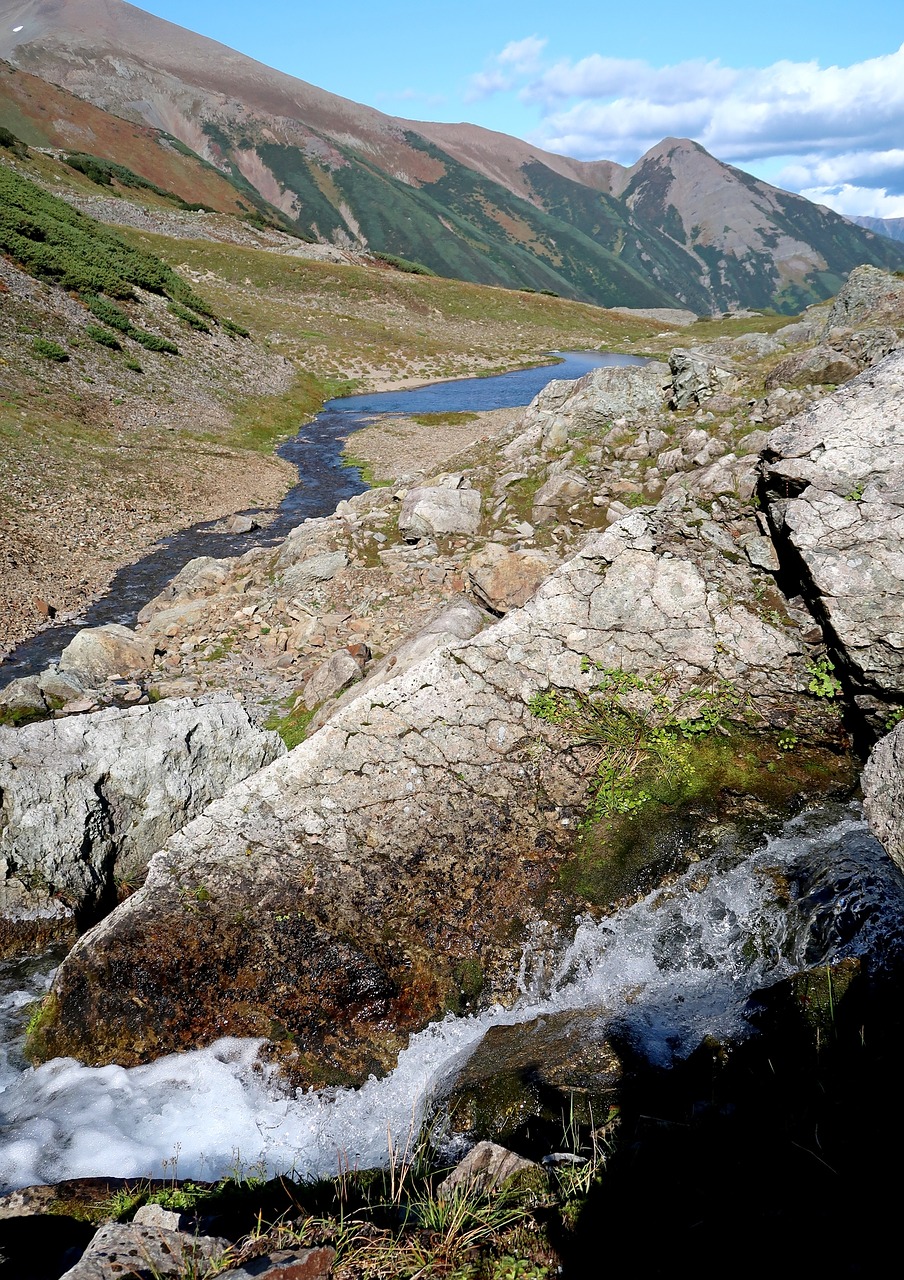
[(323, 482)]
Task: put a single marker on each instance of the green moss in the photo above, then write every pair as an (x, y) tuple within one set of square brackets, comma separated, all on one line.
[(293, 727), (43, 1017)]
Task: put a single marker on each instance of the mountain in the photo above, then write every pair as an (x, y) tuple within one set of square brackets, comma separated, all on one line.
[(893, 228), (677, 227)]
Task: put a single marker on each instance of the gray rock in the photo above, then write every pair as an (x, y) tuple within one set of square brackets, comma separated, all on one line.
[(559, 489), (61, 686), (319, 568), (489, 1167), (241, 524), (835, 479), (883, 793), (24, 694), (817, 366), (203, 576), (90, 798), (154, 1215), (868, 295), (126, 1251), (96, 654), (430, 512), (761, 552), (339, 671), (695, 378), (286, 1264)]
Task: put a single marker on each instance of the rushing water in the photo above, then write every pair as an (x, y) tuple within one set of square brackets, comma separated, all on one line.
[(323, 482), (666, 971)]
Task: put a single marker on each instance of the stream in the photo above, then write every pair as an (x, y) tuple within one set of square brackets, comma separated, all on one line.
[(667, 971), (323, 481)]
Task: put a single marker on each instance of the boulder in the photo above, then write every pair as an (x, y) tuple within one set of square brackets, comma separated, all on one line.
[(339, 671), (96, 654), (868, 295), (340, 893), (834, 482), (588, 406), (125, 1249), (695, 378), (86, 800), (488, 1168), (525, 1077), (502, 579), (301, 576), (818, 366), (430, 512), (24, 694), (883, 793), (285, 1264), (564, 487)]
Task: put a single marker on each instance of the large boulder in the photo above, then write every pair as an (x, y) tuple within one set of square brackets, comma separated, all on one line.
[(503, 579), (696, 378), (589, 405), (834, 481), (86, 800), (817, 366), (435, 510), (95, 654), (868, 296), (350, 892)]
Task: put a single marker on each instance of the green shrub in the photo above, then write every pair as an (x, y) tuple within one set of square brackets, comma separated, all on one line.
[(49, 350), (236, 330), (403, 264), (189, 317), (131, 363), (151, 342), (103, 337), (107, 312)]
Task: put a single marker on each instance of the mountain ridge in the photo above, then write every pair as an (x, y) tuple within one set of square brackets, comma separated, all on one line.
[(676, 227)]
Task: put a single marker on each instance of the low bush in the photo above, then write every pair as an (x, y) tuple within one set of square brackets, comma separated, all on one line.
[(103, 337), (49, 350)]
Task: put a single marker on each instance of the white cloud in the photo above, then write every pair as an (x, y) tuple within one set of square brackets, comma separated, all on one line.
[(518, 60), (859, 201), (839, 128)]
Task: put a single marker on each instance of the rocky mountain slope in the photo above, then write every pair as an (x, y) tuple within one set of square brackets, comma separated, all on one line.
[(893, 228), (677, 226)]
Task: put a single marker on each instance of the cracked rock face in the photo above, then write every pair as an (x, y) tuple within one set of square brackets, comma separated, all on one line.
[(336, 899), (835, 482), (89, 798), (883, 793)]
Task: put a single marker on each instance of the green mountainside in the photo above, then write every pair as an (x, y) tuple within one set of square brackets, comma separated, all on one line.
[(678, 227)]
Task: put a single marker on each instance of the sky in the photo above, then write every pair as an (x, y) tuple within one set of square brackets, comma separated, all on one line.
[(807, 95)]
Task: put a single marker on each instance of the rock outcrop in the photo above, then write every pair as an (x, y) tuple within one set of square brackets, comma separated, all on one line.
[(97, 653), (883, 793), (85, 801), (834, 485), (350, 892)]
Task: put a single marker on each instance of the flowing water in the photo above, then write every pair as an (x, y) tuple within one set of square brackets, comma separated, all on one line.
[(666, 971), (323, 481)]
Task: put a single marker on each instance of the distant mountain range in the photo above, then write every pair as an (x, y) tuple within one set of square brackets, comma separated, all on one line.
[(891, 227), (678, 227)]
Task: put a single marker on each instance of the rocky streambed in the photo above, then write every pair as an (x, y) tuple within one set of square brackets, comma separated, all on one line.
[(638, 605)]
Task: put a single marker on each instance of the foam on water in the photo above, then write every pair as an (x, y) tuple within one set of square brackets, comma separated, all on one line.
[(673, 967)]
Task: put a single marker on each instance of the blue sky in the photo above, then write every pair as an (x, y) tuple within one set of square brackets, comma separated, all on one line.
[(807, 95)]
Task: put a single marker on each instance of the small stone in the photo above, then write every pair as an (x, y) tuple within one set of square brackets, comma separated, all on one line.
[(488, 1167)]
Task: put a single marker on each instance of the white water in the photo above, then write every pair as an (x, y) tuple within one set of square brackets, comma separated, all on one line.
[(669, 969)]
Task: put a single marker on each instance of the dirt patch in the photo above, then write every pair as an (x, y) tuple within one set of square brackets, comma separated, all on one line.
[(396, 446)]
